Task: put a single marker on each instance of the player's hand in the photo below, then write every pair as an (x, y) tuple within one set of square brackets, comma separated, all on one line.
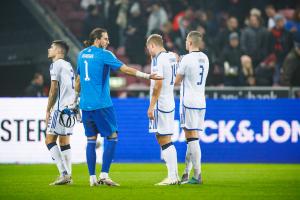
[(47, 117), (150, 113), (73, 106), (156, 77)]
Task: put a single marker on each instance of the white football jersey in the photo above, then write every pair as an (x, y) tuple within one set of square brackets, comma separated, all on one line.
[(165, 65), (194, 68), (63, 73)]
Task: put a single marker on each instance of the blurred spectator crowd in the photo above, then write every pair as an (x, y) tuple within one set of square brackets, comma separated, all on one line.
[(249, 43)]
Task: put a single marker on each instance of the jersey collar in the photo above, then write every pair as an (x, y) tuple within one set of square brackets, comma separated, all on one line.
[(160, 53)]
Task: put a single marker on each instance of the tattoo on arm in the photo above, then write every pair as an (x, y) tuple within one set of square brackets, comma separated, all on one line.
[(52, 95)]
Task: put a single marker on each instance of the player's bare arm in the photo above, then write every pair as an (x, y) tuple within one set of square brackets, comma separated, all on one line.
[(178, 79), (133, 72), (154, 98), (51, 99)]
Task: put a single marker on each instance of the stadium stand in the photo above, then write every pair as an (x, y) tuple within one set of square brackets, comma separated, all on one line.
[(75, 14), (23, 49), (127, 21)]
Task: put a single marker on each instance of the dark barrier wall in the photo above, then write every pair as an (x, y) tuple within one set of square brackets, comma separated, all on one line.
[(252, 131)]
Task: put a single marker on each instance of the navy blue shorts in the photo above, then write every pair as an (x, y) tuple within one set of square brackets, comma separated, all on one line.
[(101, 121)]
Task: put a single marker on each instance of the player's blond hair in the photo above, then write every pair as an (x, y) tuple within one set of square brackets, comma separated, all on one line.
[(196, 38), (155, 39)]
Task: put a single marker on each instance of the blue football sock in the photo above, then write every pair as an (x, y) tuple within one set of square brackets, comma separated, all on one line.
[(91, 156), (108, 154)]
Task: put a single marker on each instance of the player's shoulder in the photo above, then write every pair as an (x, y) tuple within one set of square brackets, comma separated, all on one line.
[(165, 56), (108, 53), (59, 63), (85, 50), (202, 54), (89, 52), (198, 55), (172, 55), (204, 57), (184, 58)]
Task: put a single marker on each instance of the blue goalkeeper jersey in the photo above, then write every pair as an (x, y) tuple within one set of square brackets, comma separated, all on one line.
[(93, 66)]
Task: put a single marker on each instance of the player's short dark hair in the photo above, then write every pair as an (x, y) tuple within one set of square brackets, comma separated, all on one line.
[(196, 38), (95, 34), (63, 45)]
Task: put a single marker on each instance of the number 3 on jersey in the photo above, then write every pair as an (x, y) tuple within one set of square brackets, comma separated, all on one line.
[(86, 66), (201, 75)]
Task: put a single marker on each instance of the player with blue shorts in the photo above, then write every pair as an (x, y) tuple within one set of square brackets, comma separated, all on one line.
[(98, 115)]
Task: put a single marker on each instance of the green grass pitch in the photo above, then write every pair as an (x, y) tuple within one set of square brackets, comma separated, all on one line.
[(221, 181)]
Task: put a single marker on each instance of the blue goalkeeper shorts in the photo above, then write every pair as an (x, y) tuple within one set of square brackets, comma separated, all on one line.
[(101, 121)]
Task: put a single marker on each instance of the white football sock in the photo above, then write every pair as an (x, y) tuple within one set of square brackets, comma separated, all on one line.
[(93, 179), (103, 175), (56, 155), (188, 162), (170, 156), (67, 158), (195, 156)]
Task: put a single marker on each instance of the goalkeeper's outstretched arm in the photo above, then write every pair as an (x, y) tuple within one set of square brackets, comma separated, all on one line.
[(133, 72)]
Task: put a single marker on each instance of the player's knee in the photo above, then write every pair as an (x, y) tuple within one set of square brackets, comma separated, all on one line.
[(92, 138), (63, 143), (113, 136), (191, 134), (50, 139), (162, 140), (64, 140)]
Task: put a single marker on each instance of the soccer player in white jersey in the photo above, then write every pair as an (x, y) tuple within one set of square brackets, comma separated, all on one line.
[(191, 74), (61, 94), (162, 105)]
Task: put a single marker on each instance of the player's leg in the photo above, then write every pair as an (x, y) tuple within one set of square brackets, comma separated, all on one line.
[(169, 155), (188, 162), (108, 155), (188, 166), (50, 141), (64, 177), (163, 126), (91, 159), (91, 134), (192, 121), (107, 126), (65, 148), (55, 152), (192, 138)]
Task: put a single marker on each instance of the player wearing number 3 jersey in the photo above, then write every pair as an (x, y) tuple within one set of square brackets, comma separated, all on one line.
[(98, 115), (192, 73)]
